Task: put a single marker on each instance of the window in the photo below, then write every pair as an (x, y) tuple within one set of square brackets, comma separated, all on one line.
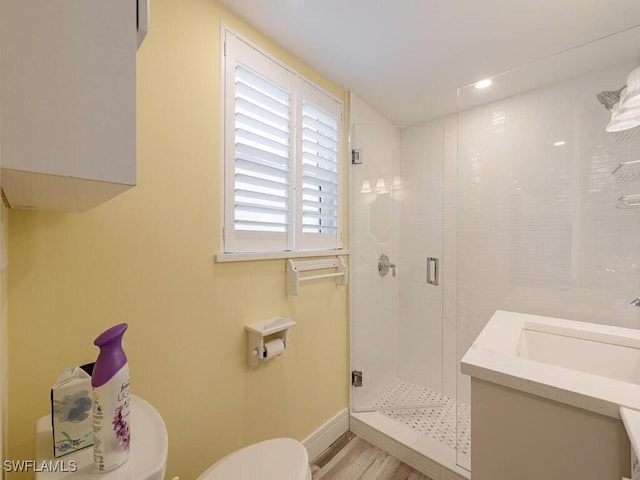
[(282, 156)]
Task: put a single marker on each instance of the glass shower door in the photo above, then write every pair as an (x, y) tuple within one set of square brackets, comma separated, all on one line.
[(396, 262)]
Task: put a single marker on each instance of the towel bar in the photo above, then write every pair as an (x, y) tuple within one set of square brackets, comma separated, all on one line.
[(294, 268)]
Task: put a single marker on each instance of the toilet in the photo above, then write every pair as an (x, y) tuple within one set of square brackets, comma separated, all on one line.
[(275, 459)]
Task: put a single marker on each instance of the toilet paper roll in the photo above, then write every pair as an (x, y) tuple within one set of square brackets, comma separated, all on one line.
[(273, 348)]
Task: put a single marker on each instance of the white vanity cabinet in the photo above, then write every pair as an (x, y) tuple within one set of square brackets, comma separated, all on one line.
[(67, 102), (546, 397)]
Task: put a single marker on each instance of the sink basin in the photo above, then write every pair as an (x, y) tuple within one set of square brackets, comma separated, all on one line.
[(605, 355)]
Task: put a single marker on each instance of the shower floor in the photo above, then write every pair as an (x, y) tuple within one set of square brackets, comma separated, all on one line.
[(438, 422)]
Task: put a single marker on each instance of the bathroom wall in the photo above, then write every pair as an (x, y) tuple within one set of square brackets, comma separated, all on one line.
[(3, 338), (3, 330), (146, 258)]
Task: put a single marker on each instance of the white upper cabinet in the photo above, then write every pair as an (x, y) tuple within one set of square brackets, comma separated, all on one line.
[(67, 102)]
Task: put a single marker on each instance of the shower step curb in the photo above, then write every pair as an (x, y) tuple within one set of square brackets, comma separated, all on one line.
[(359, 423)]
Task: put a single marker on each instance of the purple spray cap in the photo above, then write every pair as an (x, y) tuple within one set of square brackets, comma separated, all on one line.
[(111, 357)]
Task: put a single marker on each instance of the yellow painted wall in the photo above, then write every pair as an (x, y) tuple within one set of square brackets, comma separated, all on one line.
[(146, 258), (4, 357), (3, 333)]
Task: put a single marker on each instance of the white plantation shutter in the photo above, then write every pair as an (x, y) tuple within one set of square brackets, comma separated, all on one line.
[(258, 151), (282, 157), (319, 219), (262, 154)]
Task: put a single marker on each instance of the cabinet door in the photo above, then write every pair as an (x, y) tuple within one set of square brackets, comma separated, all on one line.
[(67, 95)]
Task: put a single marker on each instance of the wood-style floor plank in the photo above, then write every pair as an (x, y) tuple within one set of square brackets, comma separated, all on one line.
[(405, 472), (352, 458), (333, 450), (383, 467), (350, 463)]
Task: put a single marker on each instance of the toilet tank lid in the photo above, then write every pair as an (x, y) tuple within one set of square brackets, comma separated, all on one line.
[(276, 459)]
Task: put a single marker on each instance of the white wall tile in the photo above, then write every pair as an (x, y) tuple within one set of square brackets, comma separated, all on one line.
[(537, 229)]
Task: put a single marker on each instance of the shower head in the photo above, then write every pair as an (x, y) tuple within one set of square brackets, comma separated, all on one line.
[(610, 98)]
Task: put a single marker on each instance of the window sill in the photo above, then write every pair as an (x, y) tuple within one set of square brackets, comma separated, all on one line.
[(249, 256)]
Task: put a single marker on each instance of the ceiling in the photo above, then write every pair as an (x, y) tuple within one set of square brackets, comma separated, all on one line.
[(406, 58)]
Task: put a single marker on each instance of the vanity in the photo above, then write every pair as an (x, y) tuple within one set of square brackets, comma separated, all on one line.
[(547, 396)]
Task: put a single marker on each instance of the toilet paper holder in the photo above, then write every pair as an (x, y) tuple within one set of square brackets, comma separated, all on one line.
[(276, 328)]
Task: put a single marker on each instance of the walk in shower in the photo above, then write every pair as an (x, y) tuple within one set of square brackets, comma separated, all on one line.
[(402, 380), (518, 201)]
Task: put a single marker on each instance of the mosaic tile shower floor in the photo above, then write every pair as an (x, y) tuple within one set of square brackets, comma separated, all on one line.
[(438, 423)]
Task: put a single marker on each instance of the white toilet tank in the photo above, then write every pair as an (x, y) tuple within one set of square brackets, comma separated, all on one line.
[(147, 454)]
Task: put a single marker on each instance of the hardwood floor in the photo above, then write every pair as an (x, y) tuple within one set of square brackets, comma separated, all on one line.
[(351, 458)]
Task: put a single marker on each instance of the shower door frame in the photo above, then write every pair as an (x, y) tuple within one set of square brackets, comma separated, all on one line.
[(367, 189)]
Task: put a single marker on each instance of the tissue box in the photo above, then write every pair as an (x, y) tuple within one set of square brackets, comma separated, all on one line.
[(71, 414)]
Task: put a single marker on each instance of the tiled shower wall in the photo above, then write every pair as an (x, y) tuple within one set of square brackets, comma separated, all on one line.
[(537, 226), (531, 223)]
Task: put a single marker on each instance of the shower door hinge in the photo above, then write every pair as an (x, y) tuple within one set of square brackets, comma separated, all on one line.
[(356, 378), (356, 156)]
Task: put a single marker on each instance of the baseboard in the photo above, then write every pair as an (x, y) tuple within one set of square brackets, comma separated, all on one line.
[(323, 437)]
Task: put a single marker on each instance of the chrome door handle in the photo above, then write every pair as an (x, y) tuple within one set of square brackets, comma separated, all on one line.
[(433, 264)]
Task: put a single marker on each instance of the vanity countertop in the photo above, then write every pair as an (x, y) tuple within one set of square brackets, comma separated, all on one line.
[(495, 357)]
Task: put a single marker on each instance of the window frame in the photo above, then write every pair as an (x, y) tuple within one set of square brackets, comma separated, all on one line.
[(294, 243)]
